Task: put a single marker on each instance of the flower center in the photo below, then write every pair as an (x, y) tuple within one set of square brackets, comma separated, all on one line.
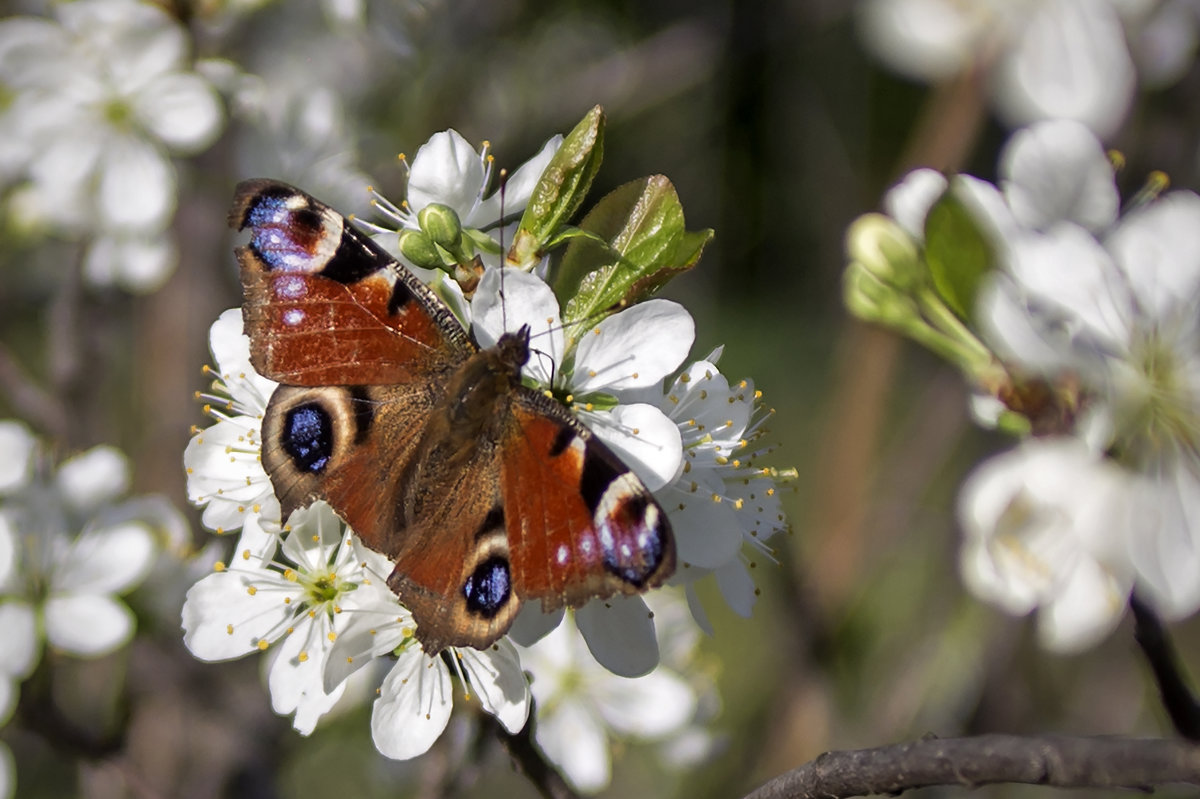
[(1163, 411)]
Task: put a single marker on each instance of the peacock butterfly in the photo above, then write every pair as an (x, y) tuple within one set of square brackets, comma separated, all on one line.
[(484, 492)]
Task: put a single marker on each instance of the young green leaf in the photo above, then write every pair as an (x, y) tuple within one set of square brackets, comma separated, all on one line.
[(646, 244), (560, 189), (958, 251)]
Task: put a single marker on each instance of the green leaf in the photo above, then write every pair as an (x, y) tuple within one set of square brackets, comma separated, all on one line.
[(560, 189), (958, 251), (645, 245)]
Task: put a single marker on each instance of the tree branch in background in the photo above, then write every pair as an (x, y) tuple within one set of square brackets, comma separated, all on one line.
[(30, 400), (1062, 762), (530, 761), (1177, 697)]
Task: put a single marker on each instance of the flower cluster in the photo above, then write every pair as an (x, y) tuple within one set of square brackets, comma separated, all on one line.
[(1062, 59), (101, 97), (69, 547), (1076, 326), (306, 588)]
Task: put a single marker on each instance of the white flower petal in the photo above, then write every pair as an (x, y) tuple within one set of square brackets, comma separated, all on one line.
[(1165, 545), (1073, 279), (517, 188), (526, 300), (620, 634), (575, 741), (1158, 250), (925, 39), (231, 351), (87, 625), (497, 680), (22, 647), (446, 170), (225, 474), (706, 534), (227, 614), (1057, 171), (532, 625), (181, 110), (1087, 608), (17, 444), (296, 677), (106, 560), (1071, 62), (644, 438), (140, 264), (650, 706), (136, 186), (634, 348), (413, 706), (93, 478), (737, 587), (909, 201)]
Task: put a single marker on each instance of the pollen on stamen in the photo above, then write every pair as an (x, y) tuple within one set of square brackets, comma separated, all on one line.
[(685, 378), (312, 614), (716, 498), (218, 566), (262, 645), (589, 406), (591, 372), (634, 375), (337, 608), (332, 636), (252, 590), (229, 629), (287, 600), (302, 657)]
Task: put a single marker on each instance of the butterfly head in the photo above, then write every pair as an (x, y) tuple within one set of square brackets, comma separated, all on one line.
[(513, 349)]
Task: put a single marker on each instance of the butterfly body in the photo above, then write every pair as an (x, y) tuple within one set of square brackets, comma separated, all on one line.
[(484, 492)]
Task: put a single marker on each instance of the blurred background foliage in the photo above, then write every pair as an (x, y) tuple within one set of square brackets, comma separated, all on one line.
[(777, 130)]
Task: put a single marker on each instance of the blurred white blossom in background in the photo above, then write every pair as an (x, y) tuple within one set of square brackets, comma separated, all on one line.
[(102, 97), (1044, 59)]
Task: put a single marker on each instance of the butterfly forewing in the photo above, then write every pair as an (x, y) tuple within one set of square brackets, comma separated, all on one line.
[(325, 305)]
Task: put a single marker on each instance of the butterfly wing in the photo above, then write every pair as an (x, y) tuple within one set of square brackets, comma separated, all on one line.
[(360, 345), (580, 523), (325, 305)]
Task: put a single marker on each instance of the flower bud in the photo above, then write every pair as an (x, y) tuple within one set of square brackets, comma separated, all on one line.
[(873, 300), (884, 249), (441, 224), (419, 249)]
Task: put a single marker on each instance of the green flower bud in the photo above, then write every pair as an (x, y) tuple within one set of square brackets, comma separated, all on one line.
[(441, 224), (418, 248), (872, 300), (884, 249)]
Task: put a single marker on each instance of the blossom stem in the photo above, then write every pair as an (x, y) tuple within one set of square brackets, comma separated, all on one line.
[(1177, 697), (945, 320)]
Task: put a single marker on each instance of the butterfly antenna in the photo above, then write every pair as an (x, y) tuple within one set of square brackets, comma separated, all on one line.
[(503, 254)]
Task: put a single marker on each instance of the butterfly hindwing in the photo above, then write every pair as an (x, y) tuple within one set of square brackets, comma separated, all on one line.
[(326, 305), (580, 523)]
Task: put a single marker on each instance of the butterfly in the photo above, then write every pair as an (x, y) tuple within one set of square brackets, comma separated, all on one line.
[(484, 492)]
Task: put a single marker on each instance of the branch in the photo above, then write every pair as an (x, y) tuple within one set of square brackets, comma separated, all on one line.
[(530, 761), (1042, 760), (1177, 698)]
